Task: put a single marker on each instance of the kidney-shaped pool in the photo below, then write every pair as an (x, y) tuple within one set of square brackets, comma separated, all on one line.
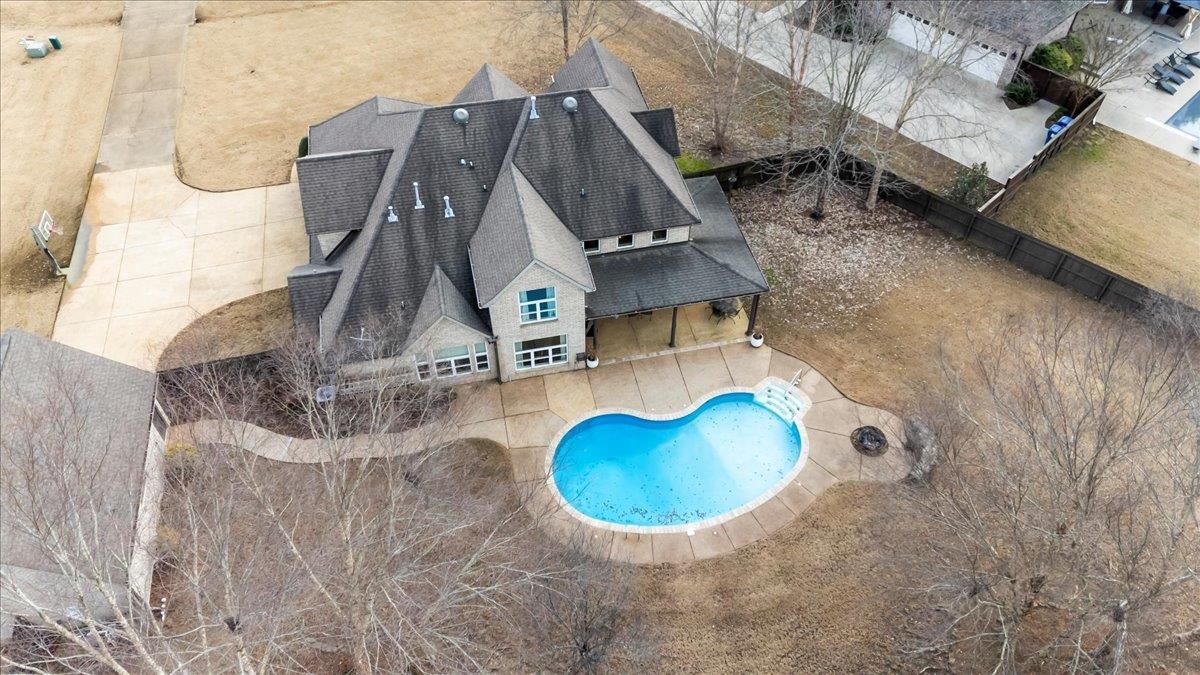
[(638, 473)]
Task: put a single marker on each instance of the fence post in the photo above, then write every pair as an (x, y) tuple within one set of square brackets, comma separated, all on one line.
[(1104, 289), (1013, 247), (1062, 259), (928, 201), (970, 226)]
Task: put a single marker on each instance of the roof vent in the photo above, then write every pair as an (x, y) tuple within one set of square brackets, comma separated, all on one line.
[(417, 194), (461, 116), (533, 108), (582, 192), (449, 212), (570, 105), (391, 216)]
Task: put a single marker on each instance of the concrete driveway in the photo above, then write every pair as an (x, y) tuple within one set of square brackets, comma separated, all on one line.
[(966, 121), (161, 253)]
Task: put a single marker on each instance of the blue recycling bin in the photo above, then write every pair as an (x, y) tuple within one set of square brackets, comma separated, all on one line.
[(1057, 127)]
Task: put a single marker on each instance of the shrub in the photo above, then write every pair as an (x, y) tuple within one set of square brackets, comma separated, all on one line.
[(1054, 57), (1074, 46), (970, 186), (1021, 93), (1058, 112), (689, 163), (303, 150), (181, 462)]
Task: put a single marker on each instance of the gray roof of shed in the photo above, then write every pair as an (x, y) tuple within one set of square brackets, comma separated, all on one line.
[(489, 84), (716, 263), (86, 420)]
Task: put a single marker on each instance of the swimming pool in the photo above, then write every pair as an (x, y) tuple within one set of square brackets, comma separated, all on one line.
[(1187, 118), (625, 472)]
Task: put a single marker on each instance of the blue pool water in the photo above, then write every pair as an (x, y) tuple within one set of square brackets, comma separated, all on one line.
[(1187, 118), (631, 471)]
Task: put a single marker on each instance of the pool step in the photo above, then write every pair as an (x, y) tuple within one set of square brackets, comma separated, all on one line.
[(782, 399)]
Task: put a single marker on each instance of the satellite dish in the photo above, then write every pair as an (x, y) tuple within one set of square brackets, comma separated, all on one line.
[(326, 393)]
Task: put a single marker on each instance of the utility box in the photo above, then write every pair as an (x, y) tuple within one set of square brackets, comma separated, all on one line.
[(35, 49)]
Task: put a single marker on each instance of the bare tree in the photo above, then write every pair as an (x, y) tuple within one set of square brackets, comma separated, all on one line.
[(353, 534), (1063, 517), (724, 34), (1110, 56), (790, 41), (577, 20), (946, 44)]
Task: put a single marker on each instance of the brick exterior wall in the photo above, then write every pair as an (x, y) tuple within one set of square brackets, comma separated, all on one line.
[(506, 321)]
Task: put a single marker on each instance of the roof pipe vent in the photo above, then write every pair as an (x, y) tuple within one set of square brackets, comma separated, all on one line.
[(391, 216), (417, 194), (461, 116), (570, 104), (533, 114), (449, 212)]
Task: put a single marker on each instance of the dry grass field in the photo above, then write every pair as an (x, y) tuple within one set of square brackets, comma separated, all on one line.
[(51, 117), (1121, 203)]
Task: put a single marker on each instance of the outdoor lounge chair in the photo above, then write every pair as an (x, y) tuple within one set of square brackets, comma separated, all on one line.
[(1165, 74), (1192, 58), (1161, 84), (1179, 66)]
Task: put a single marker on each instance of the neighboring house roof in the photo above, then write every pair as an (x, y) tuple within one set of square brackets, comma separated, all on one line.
[(74, 429), (715, 263), (524, 189), (1024, 21), (442, 299), (489, 84)]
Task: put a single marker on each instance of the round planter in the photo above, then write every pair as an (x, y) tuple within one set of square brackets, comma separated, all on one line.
[(592, 362), (757, 340)]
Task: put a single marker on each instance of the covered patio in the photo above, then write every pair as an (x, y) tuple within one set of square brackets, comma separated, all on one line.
[(645, 334)]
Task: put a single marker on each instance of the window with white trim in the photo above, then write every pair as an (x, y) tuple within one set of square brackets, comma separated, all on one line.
[(625, 241), (658, 236), (591, 246), (541, 352), (423, 370), (538, 304), (452, 361), (481, 358)]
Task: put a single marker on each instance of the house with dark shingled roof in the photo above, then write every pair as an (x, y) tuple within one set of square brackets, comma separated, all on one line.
[(494, 231)]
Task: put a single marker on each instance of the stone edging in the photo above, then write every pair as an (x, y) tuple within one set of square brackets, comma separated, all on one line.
[(691, 527)]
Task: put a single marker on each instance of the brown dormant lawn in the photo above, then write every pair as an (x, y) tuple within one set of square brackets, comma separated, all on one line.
[(1121, 203), (51, 116)]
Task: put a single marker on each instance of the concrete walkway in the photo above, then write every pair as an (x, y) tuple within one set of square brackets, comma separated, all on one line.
[(967, 120), (525, 415), (154, 254)]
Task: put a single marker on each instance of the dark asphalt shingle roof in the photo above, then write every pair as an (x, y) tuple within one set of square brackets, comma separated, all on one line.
[(1025, 21), (716, 263), (489, 84), (83, 421), (442, 299), (522, 191)]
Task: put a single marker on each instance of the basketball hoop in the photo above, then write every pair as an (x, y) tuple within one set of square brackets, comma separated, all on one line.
[(41, 236)]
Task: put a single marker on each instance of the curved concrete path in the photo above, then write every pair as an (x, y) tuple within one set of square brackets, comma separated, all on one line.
[(524, 415), (153, 253)]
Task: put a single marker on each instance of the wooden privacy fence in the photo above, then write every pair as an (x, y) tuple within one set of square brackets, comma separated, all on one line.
[(1023, 250), (1077, 98)]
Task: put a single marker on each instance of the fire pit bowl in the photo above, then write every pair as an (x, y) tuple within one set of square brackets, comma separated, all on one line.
[(870, 441)]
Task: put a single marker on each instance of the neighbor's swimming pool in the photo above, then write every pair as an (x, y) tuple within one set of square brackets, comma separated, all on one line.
[(1187, 118), (629, 471)]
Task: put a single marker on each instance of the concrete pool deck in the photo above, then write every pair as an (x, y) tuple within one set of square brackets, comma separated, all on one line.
[(525, 415)]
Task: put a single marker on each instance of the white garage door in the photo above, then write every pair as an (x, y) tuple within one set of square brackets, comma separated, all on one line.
[(978, 59)]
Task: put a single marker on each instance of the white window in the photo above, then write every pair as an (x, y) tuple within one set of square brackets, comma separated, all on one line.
[(539, 353), (658, 236), (452, 361), (538, 304), (423, 371), (591, 246), (625, 241), (481, 358)]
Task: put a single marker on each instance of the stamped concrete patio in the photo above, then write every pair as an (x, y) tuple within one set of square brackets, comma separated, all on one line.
[(524, 416)]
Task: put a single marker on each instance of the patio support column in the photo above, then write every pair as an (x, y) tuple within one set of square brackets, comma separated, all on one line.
[(753, 315), (674, 316)]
